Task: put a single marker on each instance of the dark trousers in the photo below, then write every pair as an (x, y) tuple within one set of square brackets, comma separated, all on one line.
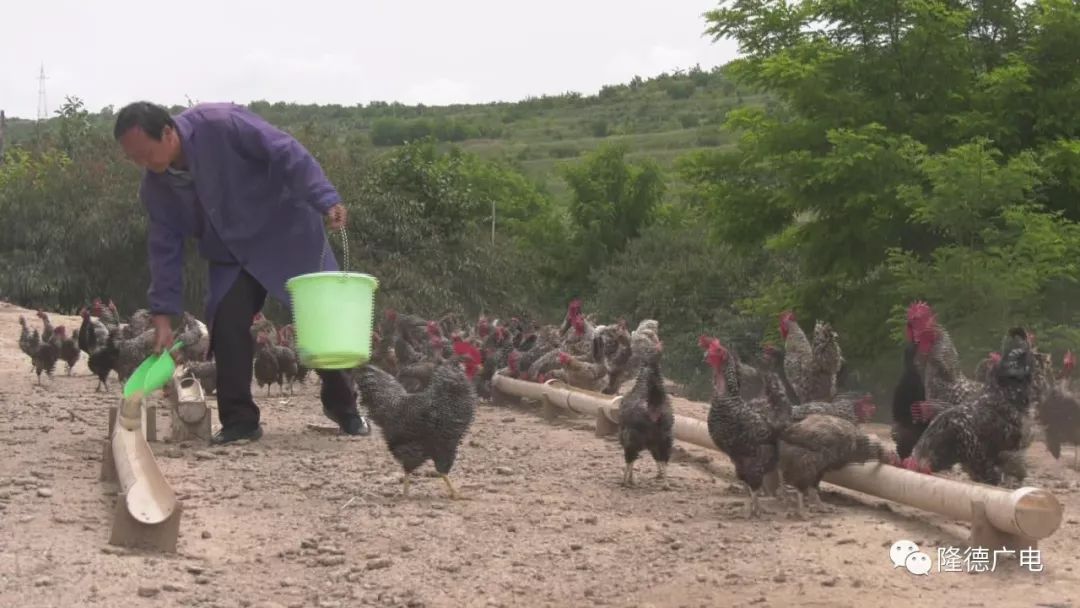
[(234, 352)]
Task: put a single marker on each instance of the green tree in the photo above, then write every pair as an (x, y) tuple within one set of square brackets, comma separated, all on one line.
[(611, 201)]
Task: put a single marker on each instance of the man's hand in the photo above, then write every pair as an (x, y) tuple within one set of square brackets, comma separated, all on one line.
[(163, 339), (336, 217)]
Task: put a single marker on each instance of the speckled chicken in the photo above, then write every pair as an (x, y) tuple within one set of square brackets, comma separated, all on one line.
[(977, 432), (583, 373), (745, 433), (938, 362), (646, 420), (45, 356), (856, 409), (826, 363), (421, 426), (798, 355), (818, 444)]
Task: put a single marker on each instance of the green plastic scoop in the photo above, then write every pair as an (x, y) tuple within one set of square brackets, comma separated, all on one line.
[(153, 373)]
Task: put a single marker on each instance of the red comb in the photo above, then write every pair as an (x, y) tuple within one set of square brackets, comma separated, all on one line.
[(564, 358)]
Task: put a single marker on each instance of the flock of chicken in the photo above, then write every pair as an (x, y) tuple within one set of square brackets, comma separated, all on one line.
[(110, 346), (779, 416)]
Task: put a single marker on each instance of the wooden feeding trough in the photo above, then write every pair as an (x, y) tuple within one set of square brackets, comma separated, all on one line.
[(147, 513), (1015, 519)]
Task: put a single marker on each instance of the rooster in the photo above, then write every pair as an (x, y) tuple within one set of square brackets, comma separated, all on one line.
[(425, 425), (69, 349), (46, 326), (977, 432), (745, 433), (818, 444), (92, 333), (646, 421), (798, 355), (906, 429), (945, 385)]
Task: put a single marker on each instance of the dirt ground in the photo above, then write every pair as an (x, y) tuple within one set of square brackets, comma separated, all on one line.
[(315, 519)]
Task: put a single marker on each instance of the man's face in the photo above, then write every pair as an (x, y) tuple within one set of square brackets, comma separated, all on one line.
[(149, 153)]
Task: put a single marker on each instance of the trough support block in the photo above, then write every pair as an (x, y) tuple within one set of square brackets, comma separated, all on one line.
[(604, 426), (151, 422), (108, 465), (771, 484), (502, 399), (129, 532), (986, 536), (548, 411)]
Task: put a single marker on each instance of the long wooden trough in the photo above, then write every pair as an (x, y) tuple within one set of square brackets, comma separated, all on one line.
[(147, 513), (999, 517)]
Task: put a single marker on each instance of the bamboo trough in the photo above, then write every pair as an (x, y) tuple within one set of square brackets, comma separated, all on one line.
[(147, 513), (1015, 519)]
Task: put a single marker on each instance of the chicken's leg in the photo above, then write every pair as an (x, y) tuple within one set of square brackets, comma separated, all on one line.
[(661, 475), (453, 492), (628, 475), (815, 498), (405, 485)]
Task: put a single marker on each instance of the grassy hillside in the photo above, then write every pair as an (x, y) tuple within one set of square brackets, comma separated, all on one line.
[(658, 118)]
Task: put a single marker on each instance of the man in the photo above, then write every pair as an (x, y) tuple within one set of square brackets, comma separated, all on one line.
[(252, 196)]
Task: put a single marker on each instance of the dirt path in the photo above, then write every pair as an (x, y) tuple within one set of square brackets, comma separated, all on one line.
[(303, 518)]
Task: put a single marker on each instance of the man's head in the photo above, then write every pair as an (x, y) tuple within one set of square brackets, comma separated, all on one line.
[(148, 135)]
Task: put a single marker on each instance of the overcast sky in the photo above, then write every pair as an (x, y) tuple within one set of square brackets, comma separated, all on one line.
[(344, 51)]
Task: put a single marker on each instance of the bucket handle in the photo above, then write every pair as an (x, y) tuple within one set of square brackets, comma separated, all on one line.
[(344, 249)]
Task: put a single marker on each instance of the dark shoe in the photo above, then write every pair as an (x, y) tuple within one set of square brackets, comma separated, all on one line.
[(236, 433), (351, 424)]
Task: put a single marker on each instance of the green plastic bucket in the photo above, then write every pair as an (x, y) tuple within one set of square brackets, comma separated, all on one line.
[(334, 315)]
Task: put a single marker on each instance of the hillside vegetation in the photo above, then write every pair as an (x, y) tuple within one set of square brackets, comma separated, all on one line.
[(857, 157)]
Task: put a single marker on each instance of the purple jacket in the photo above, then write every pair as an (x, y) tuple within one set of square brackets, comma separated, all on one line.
[(257, 204)]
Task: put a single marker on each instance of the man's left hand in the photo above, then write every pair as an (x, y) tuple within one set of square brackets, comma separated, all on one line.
[(336, 217)]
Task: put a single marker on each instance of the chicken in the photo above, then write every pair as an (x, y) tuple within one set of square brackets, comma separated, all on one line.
[(260, 325), (287, 338), (977, 432), (46, 326), (798, 355), (1058, 412), (646, 421), (751, 381), (28, 340), (132, 352), (287, 366), (581, 373), (854, 409), (138, 323), (45, 356), (826, 364), (939, 365), (818, 444), (69, 349), (421, 426), (265, 365), (196, 339), (909, 391), (205, 372), (104, 360), (92, 333), (747, 434)]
